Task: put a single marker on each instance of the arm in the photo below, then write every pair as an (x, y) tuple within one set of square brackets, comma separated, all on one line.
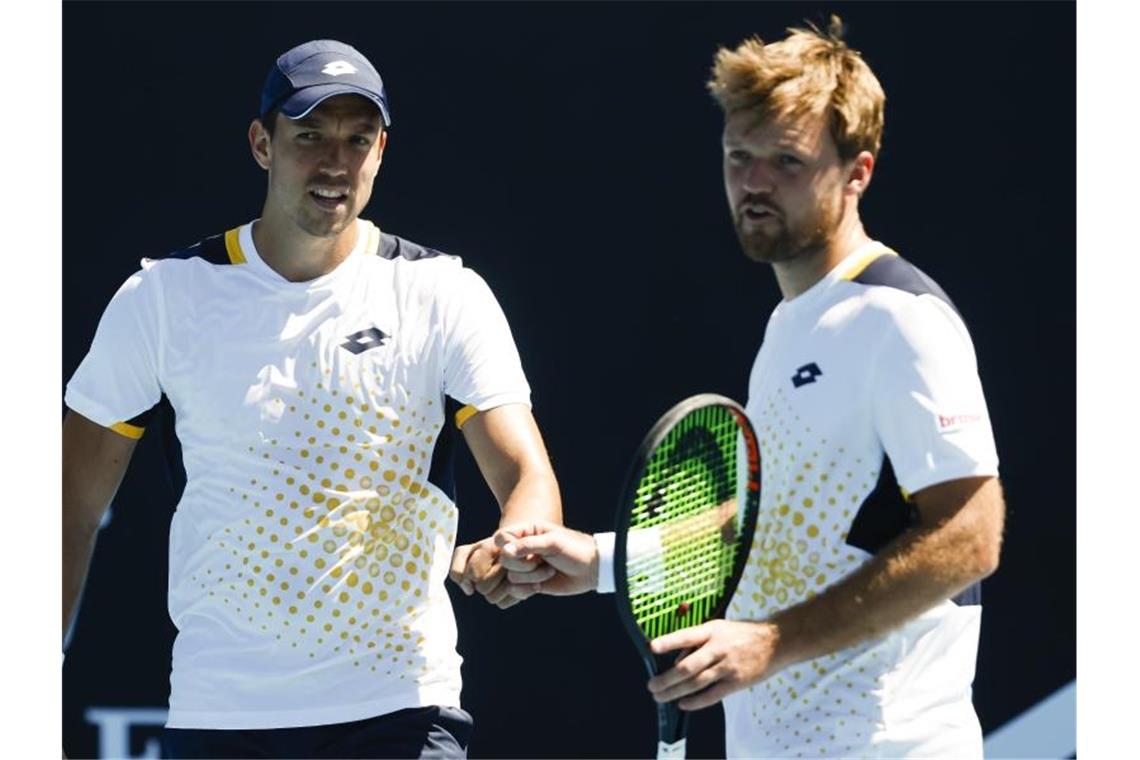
[(94, 460), (508, 449), (955, 544)]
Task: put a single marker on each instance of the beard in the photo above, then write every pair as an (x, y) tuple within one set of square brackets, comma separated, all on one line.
[(324, 225), (784, 241)]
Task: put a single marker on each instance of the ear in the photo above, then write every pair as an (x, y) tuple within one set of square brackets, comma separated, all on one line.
[(260, 143), (381, 144), (859, 176)]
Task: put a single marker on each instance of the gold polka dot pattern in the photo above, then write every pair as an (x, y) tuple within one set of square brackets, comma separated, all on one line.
[(810, 495), (333, 550)]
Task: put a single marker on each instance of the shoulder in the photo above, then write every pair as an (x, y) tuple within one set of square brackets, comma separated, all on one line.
[(892, 280), (897, 296), (221, 250), (214, 252), (420, 266), (397, 249)]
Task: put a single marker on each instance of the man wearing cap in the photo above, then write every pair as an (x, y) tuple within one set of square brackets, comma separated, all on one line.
[(308, 373)]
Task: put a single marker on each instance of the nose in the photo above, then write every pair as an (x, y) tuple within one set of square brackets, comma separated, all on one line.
[(758, 178), (334, 159)]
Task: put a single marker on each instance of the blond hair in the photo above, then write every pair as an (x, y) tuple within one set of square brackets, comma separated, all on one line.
[(807, 73)]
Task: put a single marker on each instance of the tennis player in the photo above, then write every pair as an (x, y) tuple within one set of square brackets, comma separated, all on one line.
[(854, 630), (315, 370)]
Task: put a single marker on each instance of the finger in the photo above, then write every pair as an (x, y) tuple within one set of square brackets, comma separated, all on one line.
[(538, 575), (685, 669), (690, 686), (520, 564), (458, 570), (482, 567), (709, 696), (541, 545), (509, 533), (491, 581), (689, 637), (498, 593), (464, 585), (507, 601), (459, 561), (502, 596), (523, 591)]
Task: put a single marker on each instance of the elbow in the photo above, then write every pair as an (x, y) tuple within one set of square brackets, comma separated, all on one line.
[(989, 565), (986, 557)]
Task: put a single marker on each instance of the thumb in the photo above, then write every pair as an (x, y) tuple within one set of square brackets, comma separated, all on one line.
[(458, 570)]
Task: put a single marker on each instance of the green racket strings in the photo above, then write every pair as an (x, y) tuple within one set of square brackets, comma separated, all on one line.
[(685, 524)]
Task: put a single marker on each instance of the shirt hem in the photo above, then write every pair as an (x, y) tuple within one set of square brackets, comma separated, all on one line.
[(442, 696), (92, 410), (500, 399), (924, 479)]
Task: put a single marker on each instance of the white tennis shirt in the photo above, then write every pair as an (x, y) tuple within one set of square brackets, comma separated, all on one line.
[(865, 384), (309, 549)]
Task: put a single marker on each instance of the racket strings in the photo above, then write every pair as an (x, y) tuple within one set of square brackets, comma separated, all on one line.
[(681, 496)]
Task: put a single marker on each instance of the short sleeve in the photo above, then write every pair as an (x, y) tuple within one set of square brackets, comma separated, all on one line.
[(929, 409), (117, 382), (481, 366)]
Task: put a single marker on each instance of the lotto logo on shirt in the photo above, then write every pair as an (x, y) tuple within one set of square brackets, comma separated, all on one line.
[(359, 342), (948, 422)]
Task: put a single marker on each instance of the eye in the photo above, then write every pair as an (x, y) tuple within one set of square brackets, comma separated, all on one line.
[(737, 156), (788, 161), (361, 141), (308, 136)]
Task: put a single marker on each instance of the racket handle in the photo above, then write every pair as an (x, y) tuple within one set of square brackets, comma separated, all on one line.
[(674, 751)]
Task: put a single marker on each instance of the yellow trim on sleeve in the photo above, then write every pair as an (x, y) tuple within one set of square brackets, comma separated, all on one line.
[(128, 430), (464, 414), (233, 247), (866, 260)]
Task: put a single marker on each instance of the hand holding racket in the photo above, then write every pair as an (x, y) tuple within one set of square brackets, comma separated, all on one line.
[(684, 531)]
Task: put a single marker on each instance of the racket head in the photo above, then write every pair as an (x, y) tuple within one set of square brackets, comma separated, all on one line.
[(686, 519)]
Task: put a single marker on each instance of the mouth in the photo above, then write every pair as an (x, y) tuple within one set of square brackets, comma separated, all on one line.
[(757, 214), (329, 198)]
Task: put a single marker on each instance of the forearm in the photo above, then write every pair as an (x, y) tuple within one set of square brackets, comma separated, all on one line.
[(94, 461), (917, 571), (534, 496), (78, 546)]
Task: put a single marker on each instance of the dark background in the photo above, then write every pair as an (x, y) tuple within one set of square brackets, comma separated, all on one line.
[(569, 153)]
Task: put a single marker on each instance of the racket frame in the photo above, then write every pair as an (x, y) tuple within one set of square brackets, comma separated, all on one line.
[(672, 722)]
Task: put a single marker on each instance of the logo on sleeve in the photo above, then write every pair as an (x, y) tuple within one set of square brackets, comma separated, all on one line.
[(806, 374), (950, 422), (359, 342)]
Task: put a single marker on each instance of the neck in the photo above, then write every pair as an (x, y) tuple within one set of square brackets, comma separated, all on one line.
[(797, 275), (296, 255)]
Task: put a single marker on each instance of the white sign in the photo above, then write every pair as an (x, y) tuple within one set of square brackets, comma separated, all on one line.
[(114, 724)]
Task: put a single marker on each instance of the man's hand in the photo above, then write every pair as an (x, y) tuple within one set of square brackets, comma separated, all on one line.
[(476, 567), (720, 657), (543, 557)]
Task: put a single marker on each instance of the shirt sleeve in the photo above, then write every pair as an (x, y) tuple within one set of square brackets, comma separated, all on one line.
[(481, 366), (117, 382), (929, 409)]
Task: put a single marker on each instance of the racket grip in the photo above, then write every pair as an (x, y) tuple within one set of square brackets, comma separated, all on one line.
[(673, 751)]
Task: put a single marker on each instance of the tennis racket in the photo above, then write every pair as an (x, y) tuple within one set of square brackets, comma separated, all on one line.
[(684, 531)]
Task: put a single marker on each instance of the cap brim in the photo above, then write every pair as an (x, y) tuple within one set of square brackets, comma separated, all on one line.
[(305, 100)]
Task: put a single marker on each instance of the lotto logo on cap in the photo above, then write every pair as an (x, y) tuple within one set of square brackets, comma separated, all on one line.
[(308, 74)]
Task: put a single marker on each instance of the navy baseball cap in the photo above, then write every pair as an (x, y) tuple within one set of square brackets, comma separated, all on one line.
[(314, 71)]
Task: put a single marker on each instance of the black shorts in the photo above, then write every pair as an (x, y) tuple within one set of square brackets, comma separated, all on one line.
[(432, 733)]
